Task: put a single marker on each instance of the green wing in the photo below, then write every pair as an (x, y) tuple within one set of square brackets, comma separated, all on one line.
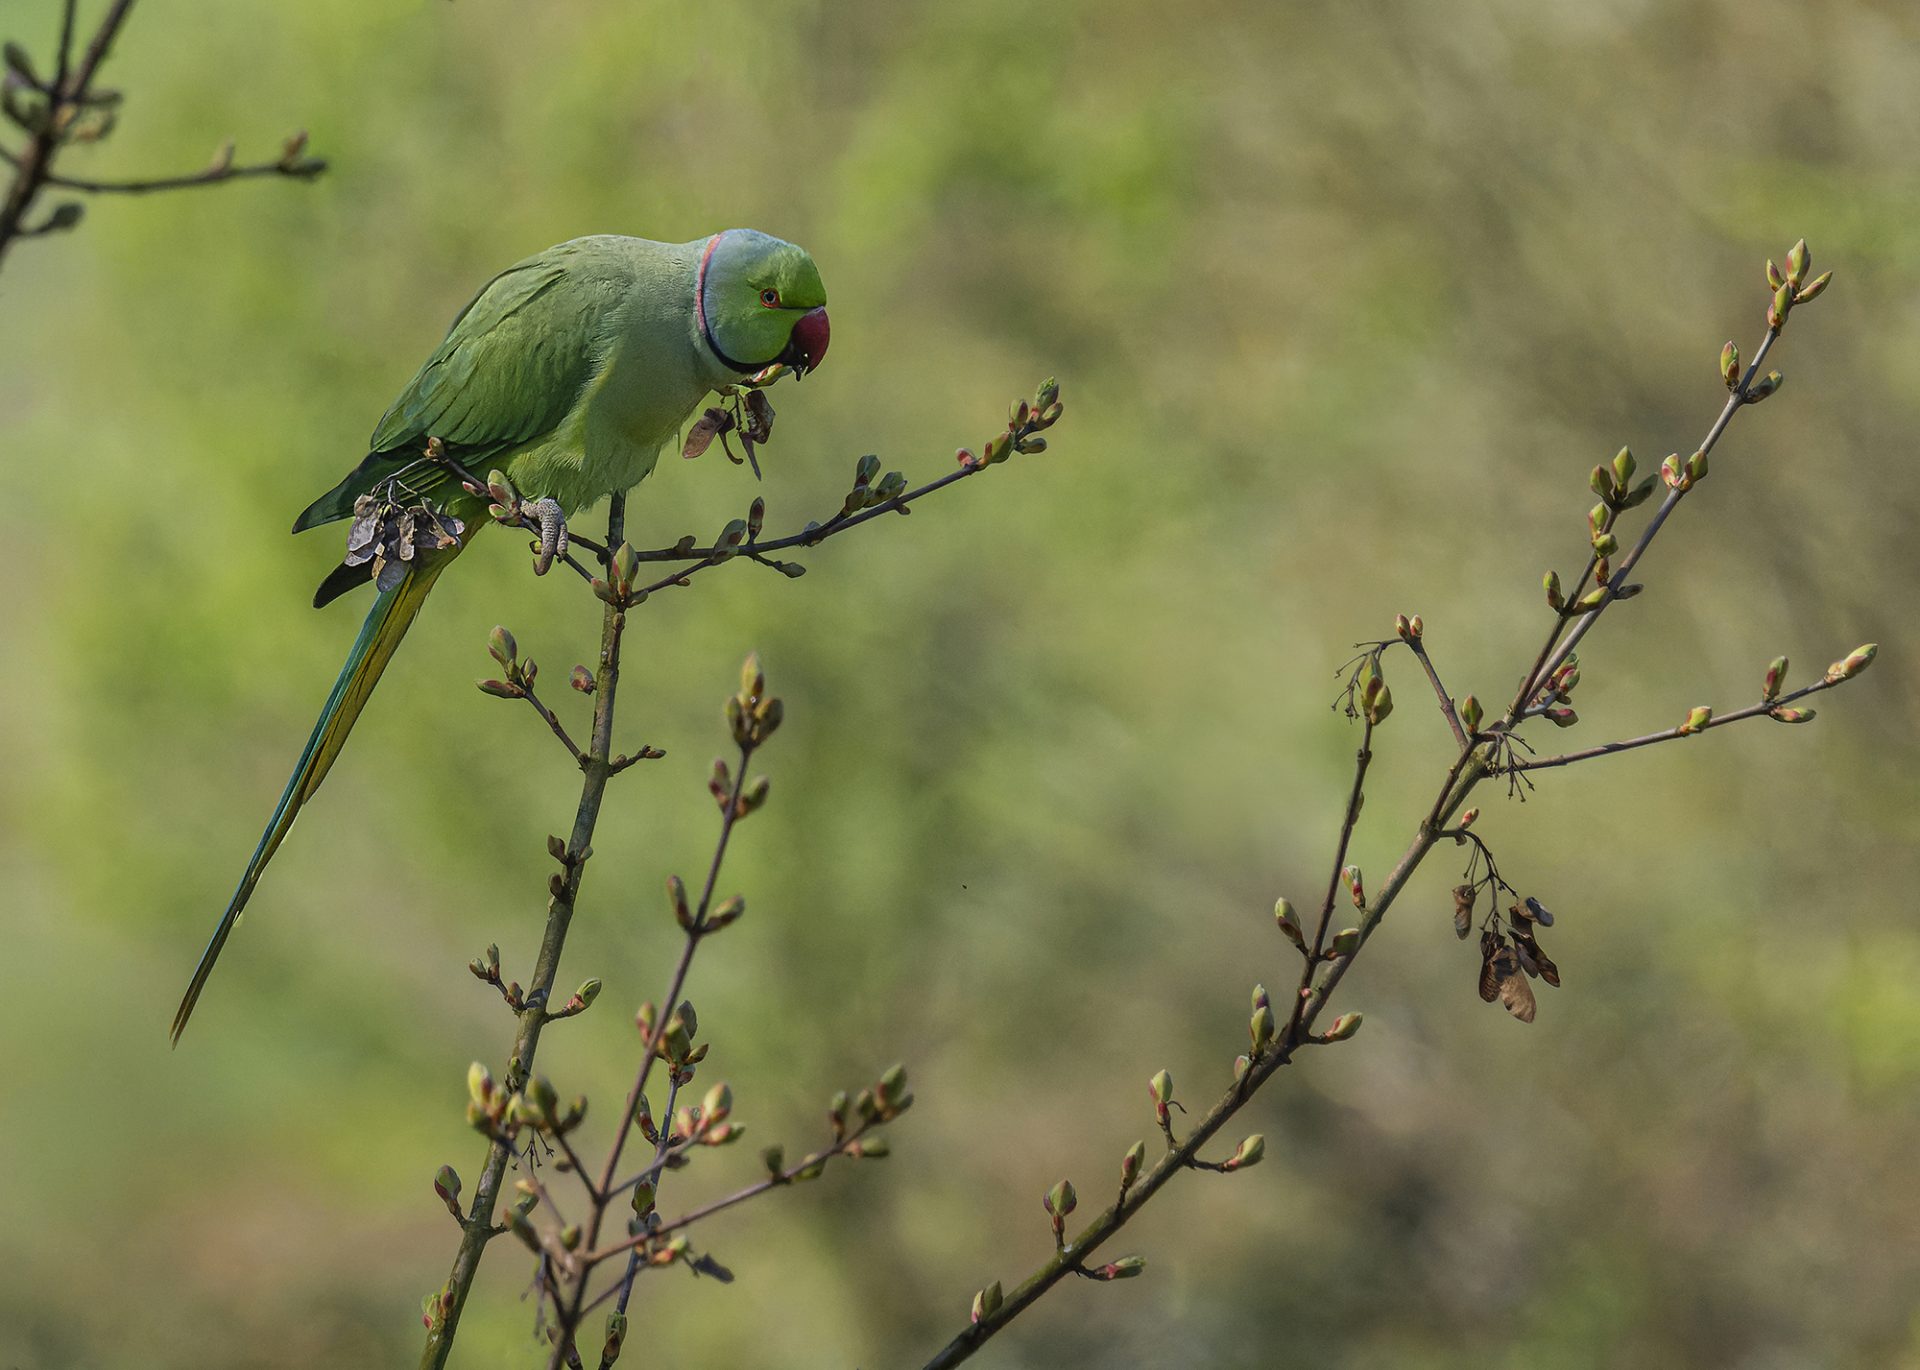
[(511, 367)]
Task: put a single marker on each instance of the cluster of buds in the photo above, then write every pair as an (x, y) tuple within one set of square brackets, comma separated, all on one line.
[(1683, 473), (519, 675), (1026, 420), (1594, 598), (870, 488), (1408, 630), (496, 1112), (673, 1042), (753, 715), (33, 105), (486, 969), (706, 1124), (538, 1106), (1792, 286), (1376, 700), (1554, 699), (726, 913), (1615, 486), (881, 1102), (619, 588)]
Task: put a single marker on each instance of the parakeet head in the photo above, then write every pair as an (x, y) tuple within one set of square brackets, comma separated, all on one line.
[(759, 301)]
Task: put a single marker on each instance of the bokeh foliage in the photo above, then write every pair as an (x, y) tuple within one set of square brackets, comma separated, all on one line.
[(1346, 299)]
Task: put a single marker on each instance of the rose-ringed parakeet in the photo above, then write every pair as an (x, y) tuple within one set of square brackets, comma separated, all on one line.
[(568, 372)]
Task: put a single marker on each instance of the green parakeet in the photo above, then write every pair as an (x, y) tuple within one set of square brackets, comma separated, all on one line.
[(569, 371)]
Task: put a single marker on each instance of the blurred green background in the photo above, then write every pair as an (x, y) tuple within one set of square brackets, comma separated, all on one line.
[(1345, 298)]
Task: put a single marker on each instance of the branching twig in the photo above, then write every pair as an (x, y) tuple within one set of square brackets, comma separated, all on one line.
[(68, 109), (1765, 709), (479, 1227), (1507, 956), (568, 1259)]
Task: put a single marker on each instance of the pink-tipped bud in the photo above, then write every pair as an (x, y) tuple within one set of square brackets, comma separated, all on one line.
[(1853, 662), (1813, 288), (1775, 677), (1247, 1154), (1288, 923)]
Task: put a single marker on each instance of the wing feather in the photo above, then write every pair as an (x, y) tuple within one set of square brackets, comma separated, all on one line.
[(510, 369)]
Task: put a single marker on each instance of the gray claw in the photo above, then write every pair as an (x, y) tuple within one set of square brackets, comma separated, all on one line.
[(553, 533)]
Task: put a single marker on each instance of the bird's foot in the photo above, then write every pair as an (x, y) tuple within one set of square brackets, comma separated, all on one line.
[(543, 517), (551, 521)]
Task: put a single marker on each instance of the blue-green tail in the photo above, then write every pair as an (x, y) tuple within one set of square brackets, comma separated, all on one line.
[(387, 622)]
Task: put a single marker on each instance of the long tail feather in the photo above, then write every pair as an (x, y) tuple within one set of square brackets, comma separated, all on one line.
[(387, 622)]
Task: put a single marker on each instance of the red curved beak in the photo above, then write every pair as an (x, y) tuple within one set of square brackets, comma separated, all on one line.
[(808, 345)]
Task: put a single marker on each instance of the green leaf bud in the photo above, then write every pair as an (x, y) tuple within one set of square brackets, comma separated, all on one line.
[(1813, 288), (1247, 1154), (1854, 662), (1061, 1199), (1288, 923), (1471, 714)]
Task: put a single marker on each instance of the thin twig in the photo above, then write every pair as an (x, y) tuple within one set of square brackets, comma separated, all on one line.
[(1349, 820), (806, 537), (479, 1227), (66, 98), (1476, 760), (1735, 399), (739, 1196), (669, 1003), (1447, 710), (1761, 710), (559, 730), (303, 169)]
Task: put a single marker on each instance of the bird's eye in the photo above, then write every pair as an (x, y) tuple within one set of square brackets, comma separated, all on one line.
[(770, 298)]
